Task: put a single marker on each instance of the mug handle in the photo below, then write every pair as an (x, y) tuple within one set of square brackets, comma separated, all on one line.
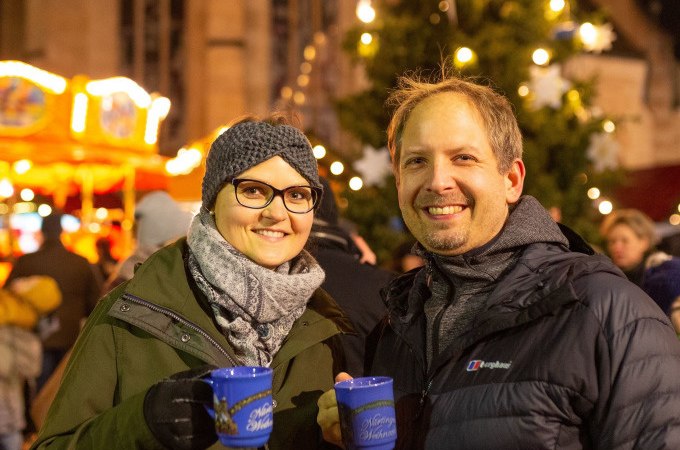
[(209, 408)]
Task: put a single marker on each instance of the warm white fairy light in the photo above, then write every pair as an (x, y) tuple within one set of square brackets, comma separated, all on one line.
[(605, 207), (540, 57), (464, 55), (365, 11), (27, 194), (593, 193), (366, 38), (557, 5), (609, 126), (319, 151), (356, 183), (337, 168), (22, 166)]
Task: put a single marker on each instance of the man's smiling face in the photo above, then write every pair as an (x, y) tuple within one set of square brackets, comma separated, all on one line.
[(451, 194)]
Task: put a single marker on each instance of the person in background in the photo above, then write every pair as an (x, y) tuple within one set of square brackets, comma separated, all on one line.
[(77, 282), (354, 285), (159, 220), (662, 282), (239, 290), (512, 335), (106, 263), (403, 258), (22, 303), (630, 239)]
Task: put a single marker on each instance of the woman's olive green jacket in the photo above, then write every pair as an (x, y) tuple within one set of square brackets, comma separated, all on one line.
[(157, 324)]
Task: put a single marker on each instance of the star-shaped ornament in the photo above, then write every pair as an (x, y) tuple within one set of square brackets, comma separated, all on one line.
[(547, 86), (373, 166)]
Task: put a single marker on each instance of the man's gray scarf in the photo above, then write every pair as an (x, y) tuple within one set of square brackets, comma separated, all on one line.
[(461, 284), (254, 306)]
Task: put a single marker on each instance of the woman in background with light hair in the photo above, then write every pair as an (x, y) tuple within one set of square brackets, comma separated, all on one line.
[(630, 238)]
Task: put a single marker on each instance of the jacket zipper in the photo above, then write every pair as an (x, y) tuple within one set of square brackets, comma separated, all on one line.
[(179, 318)]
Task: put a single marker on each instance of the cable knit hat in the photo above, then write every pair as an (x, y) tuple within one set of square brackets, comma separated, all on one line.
[(247, 144), (662, 283)]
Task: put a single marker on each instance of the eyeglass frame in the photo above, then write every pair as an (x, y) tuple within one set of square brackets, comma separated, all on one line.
[(316, 194)]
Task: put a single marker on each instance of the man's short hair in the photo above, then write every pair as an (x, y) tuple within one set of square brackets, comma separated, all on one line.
[(496, 111)]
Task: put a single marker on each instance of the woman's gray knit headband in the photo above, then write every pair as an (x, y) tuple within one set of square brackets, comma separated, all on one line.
[(247, 144)]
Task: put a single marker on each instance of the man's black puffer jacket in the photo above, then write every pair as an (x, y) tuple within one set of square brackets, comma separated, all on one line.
[(566, 355)]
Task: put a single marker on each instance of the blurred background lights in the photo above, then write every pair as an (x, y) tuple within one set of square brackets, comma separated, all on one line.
[(355, 183), (303, 80), (309, 52), (365, 11), (605, 207), (540, 57), (27, 194), (305, 67), (366, 38), (22, 166), (463, 55), (557, 5), (44, 210), (337, 168), (608, 126), (674, 219), (588, 33), (443, 6), (299, 98), (319, 151), (593, 193), (101, 213), (6, 188), (286, 92), (523, 90)]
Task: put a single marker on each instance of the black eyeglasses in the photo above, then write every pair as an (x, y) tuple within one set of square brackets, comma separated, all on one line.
[(258, 194)]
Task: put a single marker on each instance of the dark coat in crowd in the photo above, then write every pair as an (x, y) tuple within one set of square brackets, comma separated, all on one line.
[(353, 285), (77, 281)]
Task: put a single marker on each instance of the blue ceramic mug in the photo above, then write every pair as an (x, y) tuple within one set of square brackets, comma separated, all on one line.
[(243, 407), (366, 408)]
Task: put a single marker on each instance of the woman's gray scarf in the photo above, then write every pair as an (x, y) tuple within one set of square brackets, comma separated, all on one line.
[(254, 306)]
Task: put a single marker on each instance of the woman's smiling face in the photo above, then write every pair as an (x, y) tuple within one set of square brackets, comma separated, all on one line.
[(269, 236)]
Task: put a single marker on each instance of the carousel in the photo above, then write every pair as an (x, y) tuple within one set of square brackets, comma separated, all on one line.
[(66, 144)]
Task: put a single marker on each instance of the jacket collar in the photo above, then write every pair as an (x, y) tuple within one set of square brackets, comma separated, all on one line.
[(163, 281)]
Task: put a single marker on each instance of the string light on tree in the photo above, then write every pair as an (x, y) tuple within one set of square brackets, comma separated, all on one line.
[(463, 56), (319, 151), (596, 39), (337, 168), (593, 193), (540, 57), (605, 207), (355, 183), (365, 11)]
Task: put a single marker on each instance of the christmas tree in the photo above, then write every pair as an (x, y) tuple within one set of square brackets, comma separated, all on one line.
[(517, 47)]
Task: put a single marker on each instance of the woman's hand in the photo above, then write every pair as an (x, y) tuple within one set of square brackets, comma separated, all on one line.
[(328, 417)]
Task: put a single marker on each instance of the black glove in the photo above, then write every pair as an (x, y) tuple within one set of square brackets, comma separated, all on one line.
[(174, 410)]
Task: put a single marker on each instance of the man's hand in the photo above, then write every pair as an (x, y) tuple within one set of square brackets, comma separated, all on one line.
[(328, 417)]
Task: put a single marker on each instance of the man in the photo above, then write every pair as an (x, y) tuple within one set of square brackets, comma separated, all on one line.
[(353, 285), (512, 335), (79, 288)]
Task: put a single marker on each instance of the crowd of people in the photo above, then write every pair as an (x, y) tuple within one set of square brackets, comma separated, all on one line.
[(500, 327)]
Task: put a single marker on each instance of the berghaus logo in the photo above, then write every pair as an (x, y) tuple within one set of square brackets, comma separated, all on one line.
[(476, 364)]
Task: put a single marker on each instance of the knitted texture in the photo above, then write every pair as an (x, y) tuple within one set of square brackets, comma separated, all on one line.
[(248, 144)]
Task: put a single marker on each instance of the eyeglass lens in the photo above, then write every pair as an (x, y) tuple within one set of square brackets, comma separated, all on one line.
[(256, 194)]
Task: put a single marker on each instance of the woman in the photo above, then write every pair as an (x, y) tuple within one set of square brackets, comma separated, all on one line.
[(239, 290), (630, 238)]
